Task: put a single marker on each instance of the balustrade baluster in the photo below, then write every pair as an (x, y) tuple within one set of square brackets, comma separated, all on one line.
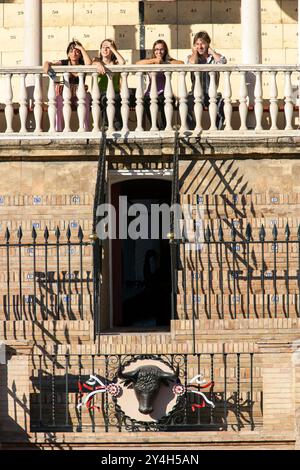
[(288, 100), (139, 109), (168, 101), (9, 111), (227, 101), (95, 103), (213, 108), (183, 106), (67, 103), (198, 107), (23, 111), (258, 102), (51, 105), (125, 102), (38, 103), (110, 109), (273, 101), (243, 108), (82, 108), (154, 102)]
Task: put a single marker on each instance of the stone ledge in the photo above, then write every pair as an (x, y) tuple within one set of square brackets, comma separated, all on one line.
[(210, 144)]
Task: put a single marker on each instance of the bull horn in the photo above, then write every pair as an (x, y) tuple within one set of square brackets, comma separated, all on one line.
[(171, 376), (131, 375)]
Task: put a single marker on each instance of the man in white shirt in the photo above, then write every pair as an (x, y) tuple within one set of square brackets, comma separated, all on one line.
[(203, 53)]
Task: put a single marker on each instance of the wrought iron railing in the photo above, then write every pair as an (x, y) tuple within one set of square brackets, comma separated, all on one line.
[(212, 391), (49, 279)]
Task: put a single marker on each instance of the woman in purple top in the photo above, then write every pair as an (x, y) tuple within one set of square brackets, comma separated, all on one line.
[(160, 55)]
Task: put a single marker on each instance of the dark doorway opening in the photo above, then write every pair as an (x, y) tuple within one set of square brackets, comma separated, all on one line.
[(141, 268)]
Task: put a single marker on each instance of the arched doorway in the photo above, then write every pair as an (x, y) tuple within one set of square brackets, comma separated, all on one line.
[(141, 268)]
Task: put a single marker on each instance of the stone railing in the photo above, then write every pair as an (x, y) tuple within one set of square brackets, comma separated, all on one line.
[(254, 99)]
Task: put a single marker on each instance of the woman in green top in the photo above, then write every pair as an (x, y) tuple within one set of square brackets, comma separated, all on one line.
[(108, 56)]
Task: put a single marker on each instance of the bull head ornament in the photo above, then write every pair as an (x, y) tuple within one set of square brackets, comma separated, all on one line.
[(146, 381)]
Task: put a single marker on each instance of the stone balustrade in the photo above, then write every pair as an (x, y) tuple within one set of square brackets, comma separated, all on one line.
[(256, 99)]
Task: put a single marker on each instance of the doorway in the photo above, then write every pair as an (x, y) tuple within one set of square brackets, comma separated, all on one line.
[(141, 268)]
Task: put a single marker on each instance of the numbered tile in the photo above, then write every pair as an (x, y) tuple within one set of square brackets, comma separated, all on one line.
[(52, 37), (155, 32), (290, 36), (126, 37), (11, 39), (226, 36), (13, 15), (271, 12), (90, 13), (160, 12), (226, 11), (12, 58), (272, 36), (57, 14), (123, 13), (89, 37), (190, 10)]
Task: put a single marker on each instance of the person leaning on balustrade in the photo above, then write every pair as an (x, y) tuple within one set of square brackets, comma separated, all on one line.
[(203, 53), (76, 55), (109, 56), (159, 55)]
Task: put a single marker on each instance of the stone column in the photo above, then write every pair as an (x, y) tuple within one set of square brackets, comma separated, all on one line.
[(251, 46), (32, 32), (251, 31)]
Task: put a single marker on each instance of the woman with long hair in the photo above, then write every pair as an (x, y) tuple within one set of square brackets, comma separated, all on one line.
[(108, 57), (76, 55), (159, 55)]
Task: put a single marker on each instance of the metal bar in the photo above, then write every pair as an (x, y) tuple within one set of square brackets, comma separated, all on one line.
[(69, 296), (80, 394), (287, 281), (46, 276), (20, 277), (234, 275), (81, 279), (275, 278), (211, 392), (7, 236), (199, 371), (41, 391), (34, 274), (67, 388), (184, 281), (57, 233), (251, 391), (106, 409), (196, 275), (221, 279), (193, 315), (263, 276), (53, 390), (93, 399), (225, 390), (238, 411), (209, 279), (248, 277)]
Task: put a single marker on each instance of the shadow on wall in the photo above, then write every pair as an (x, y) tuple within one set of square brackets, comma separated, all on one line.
[(14, 408)]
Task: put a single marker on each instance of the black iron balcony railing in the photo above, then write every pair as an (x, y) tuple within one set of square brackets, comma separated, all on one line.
[(76, 393)]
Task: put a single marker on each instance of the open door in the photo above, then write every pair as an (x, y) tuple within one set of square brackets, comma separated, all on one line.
[(141, 269)]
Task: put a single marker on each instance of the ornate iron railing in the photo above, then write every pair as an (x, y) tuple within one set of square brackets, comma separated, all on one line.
[(213, 391)]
